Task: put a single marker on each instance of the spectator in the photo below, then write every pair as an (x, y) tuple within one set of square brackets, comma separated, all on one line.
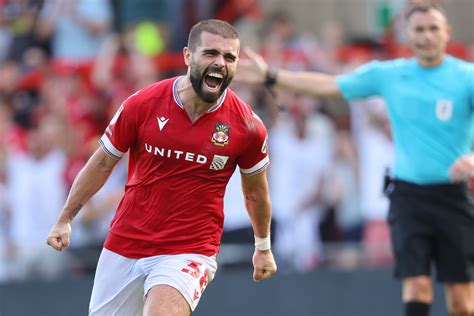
[(372, 136), (77, 29), (35, 189), (299, 159)]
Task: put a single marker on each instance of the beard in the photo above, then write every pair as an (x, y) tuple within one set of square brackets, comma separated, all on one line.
[(197, 76)]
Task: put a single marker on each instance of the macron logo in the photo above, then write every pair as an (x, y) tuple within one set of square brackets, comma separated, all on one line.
[(162, 122)]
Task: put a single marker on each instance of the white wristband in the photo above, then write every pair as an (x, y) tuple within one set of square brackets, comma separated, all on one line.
[(262, 244)]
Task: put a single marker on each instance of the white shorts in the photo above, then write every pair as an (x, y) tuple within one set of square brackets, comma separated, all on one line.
[(121, 284)]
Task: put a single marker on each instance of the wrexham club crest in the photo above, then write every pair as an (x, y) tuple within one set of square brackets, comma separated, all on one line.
[(220, 137)]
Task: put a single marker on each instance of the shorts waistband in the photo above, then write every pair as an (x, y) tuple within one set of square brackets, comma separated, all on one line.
[(435, 187)]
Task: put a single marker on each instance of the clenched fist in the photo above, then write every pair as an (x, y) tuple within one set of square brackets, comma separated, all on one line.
[(264, 265), (59, 236)]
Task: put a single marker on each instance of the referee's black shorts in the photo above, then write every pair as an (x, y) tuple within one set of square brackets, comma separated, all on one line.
[(432, 224)]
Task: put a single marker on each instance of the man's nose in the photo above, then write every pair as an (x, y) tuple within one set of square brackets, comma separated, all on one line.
[(428, 35), (219, 61)]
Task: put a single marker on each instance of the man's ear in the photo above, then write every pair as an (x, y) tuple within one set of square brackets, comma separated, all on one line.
[(449, 30), (187, 56)]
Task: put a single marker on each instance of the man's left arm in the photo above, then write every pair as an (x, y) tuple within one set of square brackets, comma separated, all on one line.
[(257, 202)]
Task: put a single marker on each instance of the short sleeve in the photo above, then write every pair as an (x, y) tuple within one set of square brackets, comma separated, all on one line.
[(121, 132), (254, 158), (361, 83)]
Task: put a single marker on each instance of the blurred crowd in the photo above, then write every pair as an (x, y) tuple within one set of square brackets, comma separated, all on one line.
[(65, 67)]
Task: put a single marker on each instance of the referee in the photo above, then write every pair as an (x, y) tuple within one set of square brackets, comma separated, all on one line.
[(430, 101)]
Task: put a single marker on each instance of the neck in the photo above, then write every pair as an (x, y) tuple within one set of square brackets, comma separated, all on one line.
[(430, 63), (194, 106)]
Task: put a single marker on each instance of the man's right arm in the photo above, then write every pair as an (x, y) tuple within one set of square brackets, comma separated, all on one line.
[(254, 70), (89, 180)]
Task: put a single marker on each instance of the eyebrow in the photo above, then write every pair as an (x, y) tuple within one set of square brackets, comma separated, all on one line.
[(215, 51), (427, 26)]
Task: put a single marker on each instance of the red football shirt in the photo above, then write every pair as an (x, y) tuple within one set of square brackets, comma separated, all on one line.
[(178, 170)]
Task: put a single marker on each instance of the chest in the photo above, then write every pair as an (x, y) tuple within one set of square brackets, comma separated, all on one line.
[(430, 101), (167, 136)]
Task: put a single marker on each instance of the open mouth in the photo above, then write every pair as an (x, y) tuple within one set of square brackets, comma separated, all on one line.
[(213, 81)]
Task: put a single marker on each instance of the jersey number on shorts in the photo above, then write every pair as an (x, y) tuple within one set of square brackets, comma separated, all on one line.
[(195, 271)]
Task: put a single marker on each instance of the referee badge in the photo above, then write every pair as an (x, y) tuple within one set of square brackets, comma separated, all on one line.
[(444, 110), (220, 137)]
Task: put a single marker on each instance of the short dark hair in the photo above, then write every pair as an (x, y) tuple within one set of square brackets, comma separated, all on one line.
[(213, 26), (423, 6)]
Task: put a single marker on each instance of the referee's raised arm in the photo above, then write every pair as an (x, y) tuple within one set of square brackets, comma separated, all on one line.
[(253, 69)]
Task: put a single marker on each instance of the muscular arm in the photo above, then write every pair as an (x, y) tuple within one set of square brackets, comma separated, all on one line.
[(89, 180), (257, 202)]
